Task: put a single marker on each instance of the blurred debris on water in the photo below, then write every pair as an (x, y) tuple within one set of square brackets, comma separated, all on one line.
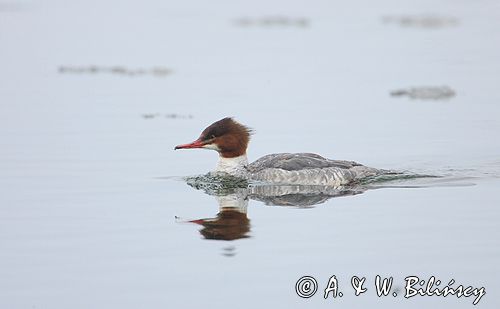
[(421, 21), (118, 70), (273, 21), (169, 116), (426, 93)]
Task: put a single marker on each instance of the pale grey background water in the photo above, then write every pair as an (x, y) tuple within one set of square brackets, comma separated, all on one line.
[(87, 206)]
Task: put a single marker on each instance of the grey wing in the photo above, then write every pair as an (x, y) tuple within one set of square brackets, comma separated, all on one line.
[(297, 161)]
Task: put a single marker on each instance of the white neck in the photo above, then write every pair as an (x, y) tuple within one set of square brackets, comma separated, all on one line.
[(232, 166)]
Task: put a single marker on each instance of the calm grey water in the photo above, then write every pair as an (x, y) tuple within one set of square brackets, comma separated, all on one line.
[(89, 181)]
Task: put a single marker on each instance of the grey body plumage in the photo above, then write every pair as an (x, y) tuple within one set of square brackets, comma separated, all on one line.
[(307, 169)]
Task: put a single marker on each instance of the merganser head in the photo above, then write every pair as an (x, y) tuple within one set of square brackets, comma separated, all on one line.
[(226, 136)]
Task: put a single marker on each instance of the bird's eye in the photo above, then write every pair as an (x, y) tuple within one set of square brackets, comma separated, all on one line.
[(212, 136)]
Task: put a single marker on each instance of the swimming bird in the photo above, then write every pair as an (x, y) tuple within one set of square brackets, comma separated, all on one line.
[(230, 139)]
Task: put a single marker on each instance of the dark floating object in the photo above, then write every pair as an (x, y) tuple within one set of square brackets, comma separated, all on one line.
[(170, 116), (421, 21), (151, 116), (118, 70), (273, 21), (426, 93)]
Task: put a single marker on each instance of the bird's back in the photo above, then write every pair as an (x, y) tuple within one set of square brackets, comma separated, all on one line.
[(308, 169)]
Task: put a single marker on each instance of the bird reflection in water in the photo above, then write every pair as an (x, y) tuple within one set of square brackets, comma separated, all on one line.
[(231, 222), (233, 194)]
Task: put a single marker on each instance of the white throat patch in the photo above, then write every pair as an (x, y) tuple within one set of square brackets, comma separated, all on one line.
[(232, 166), (211, 146)]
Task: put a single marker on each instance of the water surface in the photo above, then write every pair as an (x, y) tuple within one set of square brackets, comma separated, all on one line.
[(92, 214)]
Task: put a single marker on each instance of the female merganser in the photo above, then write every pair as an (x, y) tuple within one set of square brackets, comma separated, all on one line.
[(230, 139)]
